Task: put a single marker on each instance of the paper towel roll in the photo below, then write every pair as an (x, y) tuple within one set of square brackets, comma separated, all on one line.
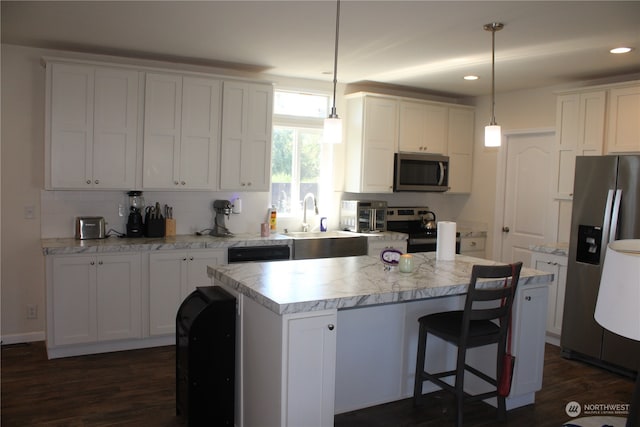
[(446, 246)]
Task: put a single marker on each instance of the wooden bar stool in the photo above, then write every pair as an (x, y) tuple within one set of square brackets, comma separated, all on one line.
[(480, 323)]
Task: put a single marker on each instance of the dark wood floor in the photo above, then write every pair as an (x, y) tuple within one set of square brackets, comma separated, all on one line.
[(136, 388)]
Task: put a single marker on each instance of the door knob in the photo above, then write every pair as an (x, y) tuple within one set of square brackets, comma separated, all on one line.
[(505, 229)]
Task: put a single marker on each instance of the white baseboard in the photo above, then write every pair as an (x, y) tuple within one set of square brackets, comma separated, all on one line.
[(20, 338)]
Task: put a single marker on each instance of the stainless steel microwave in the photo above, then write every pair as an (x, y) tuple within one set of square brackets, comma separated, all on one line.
[(420, 172)]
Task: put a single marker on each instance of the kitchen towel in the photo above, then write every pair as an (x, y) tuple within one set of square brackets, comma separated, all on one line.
[(446, 242)]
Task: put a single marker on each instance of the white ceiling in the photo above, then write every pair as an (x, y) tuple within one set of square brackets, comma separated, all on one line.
[(429, 45)]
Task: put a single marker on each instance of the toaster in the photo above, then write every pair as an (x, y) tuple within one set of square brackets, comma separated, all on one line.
[(90, 227)]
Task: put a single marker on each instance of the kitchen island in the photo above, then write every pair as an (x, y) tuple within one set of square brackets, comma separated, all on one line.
[(326, 336)]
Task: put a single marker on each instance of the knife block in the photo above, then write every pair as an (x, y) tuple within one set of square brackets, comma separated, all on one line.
[(154, 227), (170, 227)]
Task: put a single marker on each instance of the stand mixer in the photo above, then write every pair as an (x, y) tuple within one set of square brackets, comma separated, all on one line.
[(222, 208)]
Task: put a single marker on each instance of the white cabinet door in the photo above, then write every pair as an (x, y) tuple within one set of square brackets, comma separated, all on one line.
[(162, 116), (460, 149), (412, 136), (74, 303), (118, 297), (310, 366), (167, 278), (181, 132), (197, 268), (173, 275), (372, 139), (624, 120), (246, 136), (473, 246), (95, 298), (528, 337), (115, 128), (580, 119), (558, 266), (93, 125), (199, 142)]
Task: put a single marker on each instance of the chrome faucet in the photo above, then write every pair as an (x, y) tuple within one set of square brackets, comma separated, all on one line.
[(305, 225)]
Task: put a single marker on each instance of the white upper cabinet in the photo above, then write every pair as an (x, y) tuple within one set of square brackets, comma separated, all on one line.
[(92, 127), (181, 138), (423, 127), (372, 139), (580, 121), (460, 148), (246, 136), (624, 120)]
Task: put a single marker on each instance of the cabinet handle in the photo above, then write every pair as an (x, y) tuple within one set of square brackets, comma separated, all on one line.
[(191, 259), (331, 326), (472, 243), (176, 183), (242, 184), (527, 298), (100, 263), (249, 184), (183, 183), (88, 181), (184, 259), (92, 263), (97, 181)]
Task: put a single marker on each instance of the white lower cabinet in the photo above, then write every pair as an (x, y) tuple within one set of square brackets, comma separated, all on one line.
[(93, 298), (310, 367), (473, 246), (528, 337), (557, 265), (173, 275)]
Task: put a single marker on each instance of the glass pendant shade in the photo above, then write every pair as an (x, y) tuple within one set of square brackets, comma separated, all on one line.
[(492, 136), (332, 133)]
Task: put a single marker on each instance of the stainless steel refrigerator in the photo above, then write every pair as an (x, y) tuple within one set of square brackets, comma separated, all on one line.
[(606, 207)]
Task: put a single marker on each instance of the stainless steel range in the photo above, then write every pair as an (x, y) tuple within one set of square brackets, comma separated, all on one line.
[(420, 224)]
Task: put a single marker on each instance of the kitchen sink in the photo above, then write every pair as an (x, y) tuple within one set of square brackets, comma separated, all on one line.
[(326, 244), (319, 234)]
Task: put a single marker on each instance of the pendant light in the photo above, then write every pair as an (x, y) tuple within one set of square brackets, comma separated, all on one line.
[(333, 124), (492, 132)]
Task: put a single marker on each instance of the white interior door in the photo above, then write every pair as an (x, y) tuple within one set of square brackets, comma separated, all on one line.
[(527, 213)]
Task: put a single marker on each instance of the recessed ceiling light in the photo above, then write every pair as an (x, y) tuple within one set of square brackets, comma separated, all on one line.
[(471, 77), (621, 50)]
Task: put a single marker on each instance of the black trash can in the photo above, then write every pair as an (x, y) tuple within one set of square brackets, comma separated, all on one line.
[(205, 357)]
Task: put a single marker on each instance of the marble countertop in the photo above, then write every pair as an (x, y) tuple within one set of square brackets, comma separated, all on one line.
[(69, 245), (561, 248), (338, 283)]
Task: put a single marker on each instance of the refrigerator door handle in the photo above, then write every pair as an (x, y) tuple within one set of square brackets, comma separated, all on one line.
[(614, 216), (606, 226)]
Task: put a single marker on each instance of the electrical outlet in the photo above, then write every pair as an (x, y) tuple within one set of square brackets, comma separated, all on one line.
[(32, 311), (29, 212)]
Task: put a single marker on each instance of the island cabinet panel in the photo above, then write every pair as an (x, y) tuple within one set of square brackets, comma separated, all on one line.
[(91, 131), (93, 298), (173, 275)]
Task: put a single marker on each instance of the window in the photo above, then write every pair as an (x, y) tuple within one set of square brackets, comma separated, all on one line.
[(298, 156)]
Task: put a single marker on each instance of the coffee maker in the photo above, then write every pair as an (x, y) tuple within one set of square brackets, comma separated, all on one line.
[(135, 226)]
